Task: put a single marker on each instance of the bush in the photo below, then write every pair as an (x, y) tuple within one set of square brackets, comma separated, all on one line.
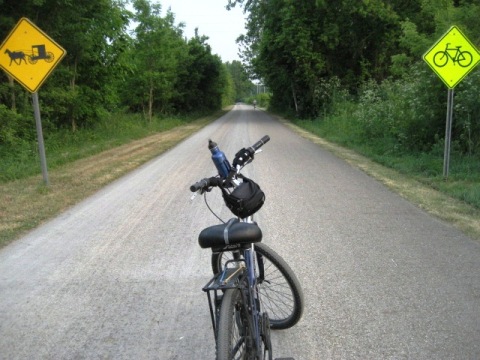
[(263, 100), (15, 128), (8, 133)]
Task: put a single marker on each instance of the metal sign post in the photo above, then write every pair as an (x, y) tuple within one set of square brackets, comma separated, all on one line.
[(452, 57), (41, 146), (448, 133)]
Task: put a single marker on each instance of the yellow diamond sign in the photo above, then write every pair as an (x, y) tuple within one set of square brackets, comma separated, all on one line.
[(29, 55), (452, 57)]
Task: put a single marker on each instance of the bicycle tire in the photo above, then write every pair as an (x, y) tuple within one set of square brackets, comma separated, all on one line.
[(233, 335), (439, 62), (466, 59), (281, 294)]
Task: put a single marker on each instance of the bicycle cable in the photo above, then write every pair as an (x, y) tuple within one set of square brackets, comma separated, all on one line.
[(209, 208)]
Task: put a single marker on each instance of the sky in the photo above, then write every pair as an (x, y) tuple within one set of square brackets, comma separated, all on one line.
[(211, 18)]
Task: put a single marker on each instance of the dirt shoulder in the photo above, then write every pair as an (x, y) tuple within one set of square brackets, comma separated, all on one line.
[(27, 203)]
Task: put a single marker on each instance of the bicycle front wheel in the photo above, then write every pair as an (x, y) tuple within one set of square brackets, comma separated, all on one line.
[(233, 335), (281, 294), (440, 58)]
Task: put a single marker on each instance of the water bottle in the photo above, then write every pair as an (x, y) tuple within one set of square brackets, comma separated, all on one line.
[(219, 159)]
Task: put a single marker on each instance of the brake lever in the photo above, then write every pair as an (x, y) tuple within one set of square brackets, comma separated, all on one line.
[(200, 192), (194, 195)]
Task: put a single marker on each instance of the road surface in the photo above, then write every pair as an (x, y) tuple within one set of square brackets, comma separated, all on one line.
[(119, 276)]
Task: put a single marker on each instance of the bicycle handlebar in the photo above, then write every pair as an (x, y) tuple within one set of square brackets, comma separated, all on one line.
[(245, 155), (206, 183), (242, 157), (260, 143)]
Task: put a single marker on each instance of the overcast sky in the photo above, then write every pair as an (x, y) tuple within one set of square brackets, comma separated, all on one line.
[(213, 20)]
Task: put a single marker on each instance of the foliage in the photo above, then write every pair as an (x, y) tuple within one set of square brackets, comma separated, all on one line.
[(151, 86), (20, 159), (319, 57), (9, 132), (202, 81), (243, 87), (153, 70), (92, 45), (345, 126), (262, 99), (293, 46)]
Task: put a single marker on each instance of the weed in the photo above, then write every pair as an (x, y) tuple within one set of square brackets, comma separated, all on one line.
[(20, 159)]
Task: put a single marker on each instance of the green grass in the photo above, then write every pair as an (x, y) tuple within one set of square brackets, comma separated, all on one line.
[(64, 146), (463, 182)]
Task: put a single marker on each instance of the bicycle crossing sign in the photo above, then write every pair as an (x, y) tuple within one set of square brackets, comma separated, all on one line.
[(452, 57), (29, 55)]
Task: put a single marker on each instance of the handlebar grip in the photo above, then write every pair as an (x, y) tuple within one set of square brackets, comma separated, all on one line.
[(261, 142), (199, 185), (206, 183)]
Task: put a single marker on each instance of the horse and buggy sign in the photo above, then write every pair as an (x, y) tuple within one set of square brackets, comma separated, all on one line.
[(29, 55)]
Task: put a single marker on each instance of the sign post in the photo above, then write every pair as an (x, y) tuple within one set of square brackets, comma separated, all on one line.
[(452, 57), (41, 146), (29, 56), (448, 133)]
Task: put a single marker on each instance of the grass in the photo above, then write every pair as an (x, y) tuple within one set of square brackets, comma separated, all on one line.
[(81, 167), (418, 178), (462, 183), (65, 146)]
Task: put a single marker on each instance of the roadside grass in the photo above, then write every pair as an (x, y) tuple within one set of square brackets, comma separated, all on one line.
[(463, 182), (80, 168), (64, 146), (419, 178)]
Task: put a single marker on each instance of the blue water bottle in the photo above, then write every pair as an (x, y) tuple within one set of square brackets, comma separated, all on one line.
[(219, 159)]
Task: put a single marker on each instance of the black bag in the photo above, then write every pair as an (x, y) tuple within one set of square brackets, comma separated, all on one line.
[(245, 200)]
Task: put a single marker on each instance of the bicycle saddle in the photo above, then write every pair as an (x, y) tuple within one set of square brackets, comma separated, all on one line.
[(231, 233)]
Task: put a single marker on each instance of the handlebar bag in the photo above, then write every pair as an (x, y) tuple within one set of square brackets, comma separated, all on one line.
[(245, 200)]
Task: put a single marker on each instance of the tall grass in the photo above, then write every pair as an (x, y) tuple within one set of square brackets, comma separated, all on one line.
[(20, 159)]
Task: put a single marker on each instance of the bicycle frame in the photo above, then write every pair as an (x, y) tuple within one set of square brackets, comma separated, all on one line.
[(244, 277), (455, 57)]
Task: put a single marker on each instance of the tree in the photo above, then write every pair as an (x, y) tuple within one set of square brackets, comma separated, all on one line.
[(242, 85), (294, 45), (155, 57), (201, 81), (79, 90), (229, 92)]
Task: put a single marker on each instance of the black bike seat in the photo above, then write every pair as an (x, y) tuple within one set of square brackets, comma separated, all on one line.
[(231, 233)]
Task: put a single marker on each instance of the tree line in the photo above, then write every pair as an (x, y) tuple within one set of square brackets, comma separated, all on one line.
[(316, 57), (118, 60), (320, 57)]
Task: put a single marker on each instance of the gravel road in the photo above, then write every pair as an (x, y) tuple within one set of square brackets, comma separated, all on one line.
[(119, 276)]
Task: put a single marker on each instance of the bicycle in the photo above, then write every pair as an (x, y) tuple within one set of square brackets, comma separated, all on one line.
[(463, 58), (240, 317)]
